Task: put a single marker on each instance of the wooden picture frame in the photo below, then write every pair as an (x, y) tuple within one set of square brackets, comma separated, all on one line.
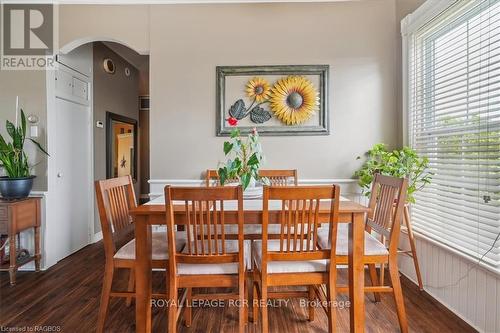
[(225, 73), (111, 119)]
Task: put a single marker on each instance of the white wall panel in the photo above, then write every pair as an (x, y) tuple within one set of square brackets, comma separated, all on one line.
[(475, 298)]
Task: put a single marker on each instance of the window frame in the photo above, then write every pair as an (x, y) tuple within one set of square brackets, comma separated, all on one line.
[(410, 25)]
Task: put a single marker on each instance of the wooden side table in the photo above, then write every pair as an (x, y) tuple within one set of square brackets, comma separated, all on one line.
[(17, 216)]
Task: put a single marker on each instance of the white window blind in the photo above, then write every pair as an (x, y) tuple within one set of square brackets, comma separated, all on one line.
[(454, 120)]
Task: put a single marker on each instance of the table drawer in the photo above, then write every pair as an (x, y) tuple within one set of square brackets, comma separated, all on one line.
[(26, 215)]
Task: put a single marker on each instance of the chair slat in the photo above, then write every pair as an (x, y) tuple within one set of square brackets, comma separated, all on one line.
[(280, 177), (204, 218), (115, 197), (299, 217)]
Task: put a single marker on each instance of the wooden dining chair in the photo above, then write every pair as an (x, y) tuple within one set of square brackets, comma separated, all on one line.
[(115, 197), (294, 259), (208, 260), (212, 178), (276, 178), (385, 192), (280, 177)]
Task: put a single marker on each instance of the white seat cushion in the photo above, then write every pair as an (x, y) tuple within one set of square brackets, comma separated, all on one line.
[(253, 229), (159, 247), (227, 268), (373, 246), (306, 266)]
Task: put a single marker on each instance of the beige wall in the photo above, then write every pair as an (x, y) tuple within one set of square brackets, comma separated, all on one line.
[(357, 39), (30, 86), (360, 40), (126, 24)]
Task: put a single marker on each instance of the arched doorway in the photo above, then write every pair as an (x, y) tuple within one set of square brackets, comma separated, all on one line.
[(95, 77)]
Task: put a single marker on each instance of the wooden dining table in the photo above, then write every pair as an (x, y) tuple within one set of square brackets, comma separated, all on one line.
[(153, 214)]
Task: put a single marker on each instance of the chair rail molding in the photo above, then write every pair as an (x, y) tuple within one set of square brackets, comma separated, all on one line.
[(349, 187)]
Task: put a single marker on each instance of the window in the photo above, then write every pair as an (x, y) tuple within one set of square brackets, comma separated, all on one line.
[(453, 100)]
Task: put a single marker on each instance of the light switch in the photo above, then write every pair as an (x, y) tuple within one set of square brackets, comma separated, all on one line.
[(99, 124), (34, 131)]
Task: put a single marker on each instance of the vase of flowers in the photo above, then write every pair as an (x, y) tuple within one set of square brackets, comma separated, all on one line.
[(243, 158), (18, 182), (400, 163)]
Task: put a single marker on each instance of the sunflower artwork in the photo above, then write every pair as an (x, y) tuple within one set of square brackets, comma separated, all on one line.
[(278, 100), (292, 99)]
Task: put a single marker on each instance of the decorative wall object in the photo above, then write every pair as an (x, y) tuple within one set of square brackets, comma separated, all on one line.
[(109, 66), (277, 100)]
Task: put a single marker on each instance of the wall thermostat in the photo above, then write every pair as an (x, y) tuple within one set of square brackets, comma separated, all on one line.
[(99, 124)]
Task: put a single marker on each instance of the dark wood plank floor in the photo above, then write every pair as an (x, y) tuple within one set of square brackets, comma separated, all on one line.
[(66, 298)]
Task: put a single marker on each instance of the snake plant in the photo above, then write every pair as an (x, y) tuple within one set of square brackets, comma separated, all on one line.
[(13, 158)]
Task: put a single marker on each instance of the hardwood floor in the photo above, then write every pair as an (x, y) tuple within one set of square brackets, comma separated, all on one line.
[(65, 298)]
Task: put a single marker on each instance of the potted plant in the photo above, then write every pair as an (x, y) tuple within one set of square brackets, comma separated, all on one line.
[(13, 159), (397, 163), (244, 158)]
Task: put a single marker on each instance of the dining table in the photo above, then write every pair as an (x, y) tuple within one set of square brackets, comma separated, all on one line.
[(153, 214)]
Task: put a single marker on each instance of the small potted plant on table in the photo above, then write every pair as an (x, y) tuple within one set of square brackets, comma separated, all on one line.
[(244, 158), (18, 182)]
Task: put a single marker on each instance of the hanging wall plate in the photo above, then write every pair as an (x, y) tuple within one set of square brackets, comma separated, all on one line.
[(109, 66), (127, 71)]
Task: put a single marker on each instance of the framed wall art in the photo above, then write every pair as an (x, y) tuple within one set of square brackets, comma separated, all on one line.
[(277, 100)]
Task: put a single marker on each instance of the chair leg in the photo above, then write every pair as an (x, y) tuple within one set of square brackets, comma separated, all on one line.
[(246, 300), (105, 296), (332, 316), (264, 319), (255, 302), (382, 274), (413, 247), (188, 312), (131, 286), (172, 307), (241, 299), (398, 296), (312, 297), (374, 279)]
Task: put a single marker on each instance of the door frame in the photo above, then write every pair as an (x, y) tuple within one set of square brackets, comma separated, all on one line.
[(52, 258), (110, 116)]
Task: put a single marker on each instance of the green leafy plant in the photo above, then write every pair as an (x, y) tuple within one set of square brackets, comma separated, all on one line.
[(397, 163), (244, 158), (13, 158)]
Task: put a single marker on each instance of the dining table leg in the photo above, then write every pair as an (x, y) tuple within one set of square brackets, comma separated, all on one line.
[(357, 273), (142, 275)]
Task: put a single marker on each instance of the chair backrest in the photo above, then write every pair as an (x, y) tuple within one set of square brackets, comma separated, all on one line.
[(299, 221), (280, 177), (212, 178), (115, 198), (204, 214), (387, 200)]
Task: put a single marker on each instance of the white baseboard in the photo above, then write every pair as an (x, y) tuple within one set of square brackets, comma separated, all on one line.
[(97, 237), (348, 187)]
